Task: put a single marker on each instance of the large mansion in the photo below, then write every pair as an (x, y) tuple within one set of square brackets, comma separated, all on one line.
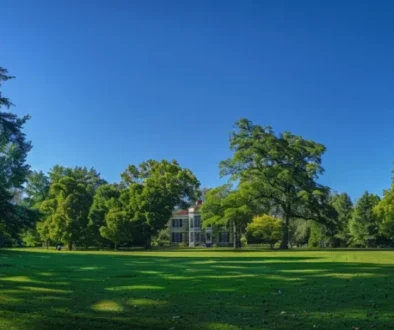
[(186, 227)]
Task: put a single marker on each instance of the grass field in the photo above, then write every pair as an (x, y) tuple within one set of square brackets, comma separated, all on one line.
[(196, 289)]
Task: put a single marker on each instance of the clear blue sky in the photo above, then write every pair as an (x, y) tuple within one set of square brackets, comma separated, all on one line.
[(110, 83)]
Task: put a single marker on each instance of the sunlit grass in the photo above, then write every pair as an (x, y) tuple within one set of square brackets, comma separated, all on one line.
[(107, 306), (135, 287), (196, 289)]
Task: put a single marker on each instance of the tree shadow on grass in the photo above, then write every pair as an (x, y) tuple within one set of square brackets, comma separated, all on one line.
[(77, 291)]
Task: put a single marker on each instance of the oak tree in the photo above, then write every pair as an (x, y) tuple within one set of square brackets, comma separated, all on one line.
[(282, 171)]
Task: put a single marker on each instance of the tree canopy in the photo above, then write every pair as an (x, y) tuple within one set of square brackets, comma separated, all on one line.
[(155, 190), (282, 171), (13, 167), (384, 211), (66, 211), (226, 207), (267, 228), (364, 226), (343, 206)]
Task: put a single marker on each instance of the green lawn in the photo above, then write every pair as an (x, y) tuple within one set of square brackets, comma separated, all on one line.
[(196, 289)]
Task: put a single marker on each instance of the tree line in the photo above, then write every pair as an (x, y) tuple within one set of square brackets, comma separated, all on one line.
[(273, 196)]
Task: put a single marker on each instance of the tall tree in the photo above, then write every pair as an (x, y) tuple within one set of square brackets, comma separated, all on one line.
[(384, 210), (226, 207), (117, 227), (282, 172), (13, 153), (343, 205), (300, 231), (67, 210), (155, 189), (90, 178), (364, 225), (106, 200), (37, 189), (318, 235)]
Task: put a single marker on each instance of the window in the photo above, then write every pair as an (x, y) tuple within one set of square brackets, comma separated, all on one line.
[(191, 237), (176, 223), (191, 223), (223, 237), (197, 237), (176, 237), (208, 236), (197, 221)]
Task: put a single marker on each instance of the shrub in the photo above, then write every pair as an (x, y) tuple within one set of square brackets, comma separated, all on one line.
[(267, 228), (30, 237)]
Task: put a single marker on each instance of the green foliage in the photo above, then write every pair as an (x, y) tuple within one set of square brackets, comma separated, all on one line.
[(244, 241), (281, 172), (163, 238), (66, 211), (37, 189), (226, 207), (267, 228), (13, 168), (90, 178), (6, 239), (154, 190), (384, 211), (364, 225), (117, 227), (317, 235), (30, 237), (343, 205), (106, 200), (300, 231)]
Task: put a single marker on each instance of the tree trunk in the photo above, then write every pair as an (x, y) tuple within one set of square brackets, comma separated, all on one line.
[(115, 246), (70, 246), (238, 236), (285, 239), (234, 235), (271, 246), (148, 242)]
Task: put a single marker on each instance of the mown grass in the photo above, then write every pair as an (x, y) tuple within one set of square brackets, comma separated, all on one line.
[(196, 289)]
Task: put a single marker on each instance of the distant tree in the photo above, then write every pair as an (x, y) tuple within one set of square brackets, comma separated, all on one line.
[(13, 168), (106, 200), (117, 227), (90, 178), (66, 211), (226, 207), (163, 237), (343, 205), (282, 170), (266, 227), (204, 192), (29, 237), (6, 238), (364, 225), (43, 228), (37, 189), (300, 231), (155, 189), (384, 211), (318, 235)]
